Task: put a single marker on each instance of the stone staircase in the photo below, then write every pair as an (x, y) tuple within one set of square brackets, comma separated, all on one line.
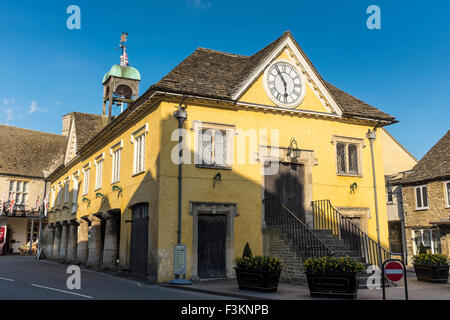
[(277, 244), (341, 249)]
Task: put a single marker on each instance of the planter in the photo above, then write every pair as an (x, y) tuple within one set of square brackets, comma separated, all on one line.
[(437, 274), (343, 285), (258, 281)]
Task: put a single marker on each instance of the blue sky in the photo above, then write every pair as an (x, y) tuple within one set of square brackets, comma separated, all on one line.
[(49, 70)]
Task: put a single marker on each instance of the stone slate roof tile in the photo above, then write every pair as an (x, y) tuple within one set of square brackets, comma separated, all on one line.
[(87, 125), (26, 152), (434, 165), (218, 74)]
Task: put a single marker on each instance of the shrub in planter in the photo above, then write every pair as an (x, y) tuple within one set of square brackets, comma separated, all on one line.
[(431, 267), (260, 273), (332, 276)]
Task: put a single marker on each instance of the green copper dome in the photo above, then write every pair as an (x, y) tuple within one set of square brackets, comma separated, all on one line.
[(122, 72)]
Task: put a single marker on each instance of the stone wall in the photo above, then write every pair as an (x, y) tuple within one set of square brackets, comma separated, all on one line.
[(276, 244), (420, 219)]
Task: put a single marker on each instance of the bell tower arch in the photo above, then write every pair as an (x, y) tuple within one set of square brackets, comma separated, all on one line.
[(120, 83)]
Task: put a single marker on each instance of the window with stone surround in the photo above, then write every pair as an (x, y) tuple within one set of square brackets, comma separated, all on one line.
[(430, 238), (348, 155), (138, 139), (214, 144), (86, 171), (116, 153), (20, 189), (98, 162), (421, 196)]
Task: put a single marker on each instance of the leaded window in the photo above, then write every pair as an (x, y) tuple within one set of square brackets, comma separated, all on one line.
[(347, 158)]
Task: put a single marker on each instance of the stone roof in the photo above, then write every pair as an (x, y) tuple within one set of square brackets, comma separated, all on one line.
[(435, 165), (87, 125), (218, 74), (26, 152)]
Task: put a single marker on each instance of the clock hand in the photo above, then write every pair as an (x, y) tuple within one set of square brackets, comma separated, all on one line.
[(284, 82), (281, 76)]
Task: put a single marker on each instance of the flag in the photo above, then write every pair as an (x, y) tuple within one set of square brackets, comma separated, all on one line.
[(45, 205), (37, 203), (12, 201), (3, 203)]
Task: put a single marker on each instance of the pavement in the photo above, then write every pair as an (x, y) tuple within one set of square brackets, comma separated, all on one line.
[(24, 278), (417, 290)]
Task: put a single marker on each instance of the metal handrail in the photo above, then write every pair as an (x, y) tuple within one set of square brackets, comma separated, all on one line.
[(326, 217), (298, 232)]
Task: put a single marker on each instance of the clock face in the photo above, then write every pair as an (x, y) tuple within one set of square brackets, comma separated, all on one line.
[(284, 84)]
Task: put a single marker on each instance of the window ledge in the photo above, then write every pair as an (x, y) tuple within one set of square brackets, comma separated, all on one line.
[(350, 175), (97, 189), (422, 209), (114, 182), (137, 173), (206, 166)]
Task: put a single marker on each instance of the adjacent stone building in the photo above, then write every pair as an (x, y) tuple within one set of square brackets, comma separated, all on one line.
[(426, 201), (25, 158)]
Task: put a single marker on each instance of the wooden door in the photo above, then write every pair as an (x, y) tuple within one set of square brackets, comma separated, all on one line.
[(285, 187), (139, 240), (211, 245)]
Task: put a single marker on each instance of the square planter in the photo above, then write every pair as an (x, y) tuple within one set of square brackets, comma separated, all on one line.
[(437, 274), (342, 285), (258, 281)]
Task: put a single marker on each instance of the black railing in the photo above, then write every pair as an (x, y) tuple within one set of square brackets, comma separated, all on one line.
[(297, 231), (326, 217)]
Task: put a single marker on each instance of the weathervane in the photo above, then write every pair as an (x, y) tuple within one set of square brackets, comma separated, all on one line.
[(123, 57)]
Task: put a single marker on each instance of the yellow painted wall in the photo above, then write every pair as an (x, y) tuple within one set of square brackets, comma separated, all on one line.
[(241, 185), (395, 158), (138, 188)]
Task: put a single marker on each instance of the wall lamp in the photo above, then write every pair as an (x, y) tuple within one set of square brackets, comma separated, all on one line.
[(293, 152), (217, 177)]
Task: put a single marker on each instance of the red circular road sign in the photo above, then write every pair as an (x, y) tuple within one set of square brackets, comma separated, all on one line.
[(393, 271)]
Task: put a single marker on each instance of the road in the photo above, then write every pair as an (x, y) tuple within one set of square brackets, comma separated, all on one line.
[(24, 278)]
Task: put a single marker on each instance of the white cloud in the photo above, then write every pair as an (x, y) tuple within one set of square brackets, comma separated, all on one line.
[(34, 108), (8, 101), (9, 114)]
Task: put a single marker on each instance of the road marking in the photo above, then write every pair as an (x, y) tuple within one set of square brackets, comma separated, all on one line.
[(77, 294), (6, 279)]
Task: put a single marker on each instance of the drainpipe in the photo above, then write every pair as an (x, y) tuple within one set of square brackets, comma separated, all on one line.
[(181, 116), (371, 136)]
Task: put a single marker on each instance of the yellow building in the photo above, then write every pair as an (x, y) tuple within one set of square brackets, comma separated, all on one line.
[(265, 140)]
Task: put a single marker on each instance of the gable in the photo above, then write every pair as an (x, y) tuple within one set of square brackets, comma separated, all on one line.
[(396, 158), (71, 148), (258, 91), (316, 98)]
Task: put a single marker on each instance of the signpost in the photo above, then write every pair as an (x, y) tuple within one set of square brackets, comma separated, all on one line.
[(394, 270), (179, 265)]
